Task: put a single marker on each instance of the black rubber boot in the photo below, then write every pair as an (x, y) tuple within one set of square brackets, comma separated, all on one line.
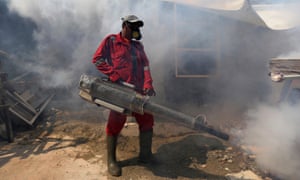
[(145, 155), (112, 165)]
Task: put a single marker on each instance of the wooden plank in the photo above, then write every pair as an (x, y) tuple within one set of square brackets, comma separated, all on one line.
[(42, 108), (19, 101), (26, 95)]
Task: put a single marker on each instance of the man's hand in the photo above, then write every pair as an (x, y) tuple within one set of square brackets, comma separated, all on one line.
[(149, 92)]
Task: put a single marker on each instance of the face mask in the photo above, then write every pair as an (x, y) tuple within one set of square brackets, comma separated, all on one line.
[(136, 34)]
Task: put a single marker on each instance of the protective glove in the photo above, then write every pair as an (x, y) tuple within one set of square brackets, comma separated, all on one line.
[(149, 92)]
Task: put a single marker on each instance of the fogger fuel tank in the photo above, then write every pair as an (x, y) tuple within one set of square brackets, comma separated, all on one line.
[(124, 99)]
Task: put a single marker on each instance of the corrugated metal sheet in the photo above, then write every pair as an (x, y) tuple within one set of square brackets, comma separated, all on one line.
[(228, 5), (279, 16), (275, 15)]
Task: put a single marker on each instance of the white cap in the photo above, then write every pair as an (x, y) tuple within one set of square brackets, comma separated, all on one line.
[(133, 19)]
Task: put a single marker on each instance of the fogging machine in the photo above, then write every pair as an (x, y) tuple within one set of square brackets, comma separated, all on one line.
[(124, 99)]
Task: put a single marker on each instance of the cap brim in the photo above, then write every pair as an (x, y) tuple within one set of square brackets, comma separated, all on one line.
[(139, 23)]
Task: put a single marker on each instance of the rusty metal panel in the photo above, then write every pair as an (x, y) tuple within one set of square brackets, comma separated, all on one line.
[(286, 66)]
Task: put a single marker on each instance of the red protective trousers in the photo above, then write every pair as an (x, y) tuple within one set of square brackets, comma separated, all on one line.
[(117, 120)]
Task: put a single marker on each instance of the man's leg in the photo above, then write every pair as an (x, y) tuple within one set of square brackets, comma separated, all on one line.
[(114, 126), (145, 122)]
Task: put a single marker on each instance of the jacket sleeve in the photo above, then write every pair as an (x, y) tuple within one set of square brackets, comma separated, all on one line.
[(147, 73), (102, 59)]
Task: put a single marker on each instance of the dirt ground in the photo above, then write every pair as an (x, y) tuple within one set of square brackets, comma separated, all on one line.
[(70, 144)]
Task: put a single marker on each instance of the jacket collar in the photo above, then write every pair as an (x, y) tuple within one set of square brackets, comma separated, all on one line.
[(122, 40)]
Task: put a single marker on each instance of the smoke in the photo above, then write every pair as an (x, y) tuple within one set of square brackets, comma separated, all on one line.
[(294, 51), (68, 33), (273, 130), (65, 34)]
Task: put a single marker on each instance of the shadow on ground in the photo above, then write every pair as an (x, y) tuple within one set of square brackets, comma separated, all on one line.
[(36, 141), (181, 159)]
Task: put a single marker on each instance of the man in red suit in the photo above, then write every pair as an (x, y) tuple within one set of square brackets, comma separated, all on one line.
[(122, 58)]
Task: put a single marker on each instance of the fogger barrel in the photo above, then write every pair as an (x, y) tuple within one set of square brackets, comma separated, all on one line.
[(126, 100)]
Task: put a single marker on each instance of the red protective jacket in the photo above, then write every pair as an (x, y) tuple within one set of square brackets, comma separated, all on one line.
[(119, 58)]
